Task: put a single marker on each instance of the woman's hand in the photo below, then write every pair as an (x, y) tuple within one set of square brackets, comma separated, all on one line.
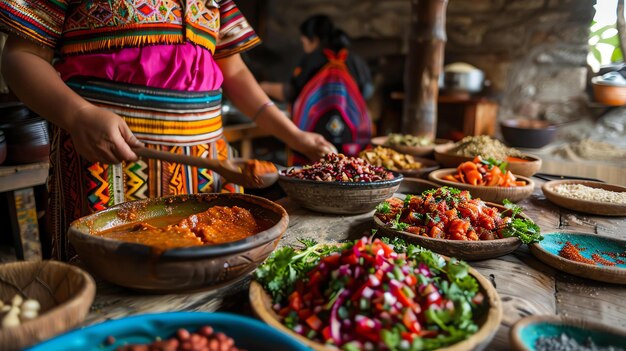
[(100, 135), (312, 145)]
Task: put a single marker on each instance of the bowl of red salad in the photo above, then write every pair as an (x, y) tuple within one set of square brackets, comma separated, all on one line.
[(451, 222), (375, 294), (339, 184)]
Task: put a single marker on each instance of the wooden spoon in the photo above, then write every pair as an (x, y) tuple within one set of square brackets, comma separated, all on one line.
[(229, 169)]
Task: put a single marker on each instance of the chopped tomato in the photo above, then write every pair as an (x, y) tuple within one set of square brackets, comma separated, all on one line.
[(295, 301), (314, 322)]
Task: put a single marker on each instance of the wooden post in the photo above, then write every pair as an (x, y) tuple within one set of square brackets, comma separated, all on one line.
[(423, 65), (621, 26)]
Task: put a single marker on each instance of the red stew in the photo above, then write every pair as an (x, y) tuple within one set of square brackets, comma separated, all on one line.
[(216, 225)]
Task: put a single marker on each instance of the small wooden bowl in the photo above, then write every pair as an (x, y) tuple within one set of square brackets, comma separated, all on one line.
[(339, 197), (526, 169), (64, 292), (175, 270), (586, 206), (488, 322), (411, 150), (526, 331), (548, 249), (495, 194), (464, 250)]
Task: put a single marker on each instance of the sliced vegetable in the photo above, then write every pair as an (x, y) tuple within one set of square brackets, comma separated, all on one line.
[(482, 172), (375, 295)]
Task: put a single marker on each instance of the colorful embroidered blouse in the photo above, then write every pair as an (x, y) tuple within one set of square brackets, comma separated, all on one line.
[(89, 26)]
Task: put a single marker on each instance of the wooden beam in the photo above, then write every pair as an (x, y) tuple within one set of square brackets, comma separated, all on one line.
[(423, 65)]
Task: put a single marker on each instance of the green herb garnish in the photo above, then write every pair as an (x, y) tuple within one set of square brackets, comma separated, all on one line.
[(525, 229), (383, 208), (492, 162), (396, 224), (407, 200), (287, 265)]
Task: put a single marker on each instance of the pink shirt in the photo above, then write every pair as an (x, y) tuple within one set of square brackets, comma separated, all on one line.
[(184, 67)]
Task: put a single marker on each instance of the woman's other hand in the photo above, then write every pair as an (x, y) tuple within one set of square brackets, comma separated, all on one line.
[(100, 135), (312, 145)]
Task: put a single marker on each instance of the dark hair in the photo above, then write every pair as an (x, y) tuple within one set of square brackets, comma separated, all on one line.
[(322, 28)]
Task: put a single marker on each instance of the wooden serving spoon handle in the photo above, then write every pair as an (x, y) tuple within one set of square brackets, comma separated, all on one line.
[(179, 158)]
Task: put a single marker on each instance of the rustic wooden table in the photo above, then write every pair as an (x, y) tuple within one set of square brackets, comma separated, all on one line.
[(526, 286)]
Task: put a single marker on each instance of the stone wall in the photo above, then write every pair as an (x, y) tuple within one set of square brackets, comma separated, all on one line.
[(533, 52)]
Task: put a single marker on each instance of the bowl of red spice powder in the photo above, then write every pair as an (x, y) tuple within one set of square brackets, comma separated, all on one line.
[(585, 255)]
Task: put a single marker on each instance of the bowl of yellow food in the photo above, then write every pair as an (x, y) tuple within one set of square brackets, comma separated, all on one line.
[(406, 164)]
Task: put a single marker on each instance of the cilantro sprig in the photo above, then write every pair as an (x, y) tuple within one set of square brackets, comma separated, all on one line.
[(523, 228), (383, 208), (287, 265), (492, 162)]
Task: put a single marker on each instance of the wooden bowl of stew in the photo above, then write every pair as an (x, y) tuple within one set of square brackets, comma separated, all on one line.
[(143, 244)]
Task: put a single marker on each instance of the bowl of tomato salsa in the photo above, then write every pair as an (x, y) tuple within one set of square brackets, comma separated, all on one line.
[(179, 243)]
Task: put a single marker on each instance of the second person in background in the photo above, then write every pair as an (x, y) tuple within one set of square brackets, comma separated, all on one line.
[(328, 89)]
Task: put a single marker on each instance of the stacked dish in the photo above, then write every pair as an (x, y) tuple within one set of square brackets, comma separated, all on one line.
[(488, 179), (486, 147)]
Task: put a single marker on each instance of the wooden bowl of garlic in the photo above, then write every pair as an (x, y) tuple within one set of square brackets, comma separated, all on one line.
[(41, 299)]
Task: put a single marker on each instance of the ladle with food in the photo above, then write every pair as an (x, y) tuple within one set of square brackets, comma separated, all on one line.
[(248, 173)]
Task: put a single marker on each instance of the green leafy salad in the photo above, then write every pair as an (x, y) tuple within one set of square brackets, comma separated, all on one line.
[(373, 294)]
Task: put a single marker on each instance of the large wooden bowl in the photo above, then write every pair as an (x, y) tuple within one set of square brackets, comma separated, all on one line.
[(64, 292), (338, 197), (412, 150), (488, 321), (495, 194), (526, 331), (186, 269), (586, 206), (464, 250), (526, 169)]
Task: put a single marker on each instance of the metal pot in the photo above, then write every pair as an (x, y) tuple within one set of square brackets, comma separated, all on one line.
[(463, 77)]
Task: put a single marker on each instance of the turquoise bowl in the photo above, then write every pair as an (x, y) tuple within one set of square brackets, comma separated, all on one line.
[(553, 243), (248, 333), (548, 250), (527, 331)]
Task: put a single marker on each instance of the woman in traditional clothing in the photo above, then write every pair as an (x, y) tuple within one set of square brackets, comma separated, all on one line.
[(133, 72), (328, 89)]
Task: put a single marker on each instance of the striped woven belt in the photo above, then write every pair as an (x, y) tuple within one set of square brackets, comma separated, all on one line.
[(158, 116)]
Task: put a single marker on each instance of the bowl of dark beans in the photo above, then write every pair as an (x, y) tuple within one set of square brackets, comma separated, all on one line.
[(339, 184)]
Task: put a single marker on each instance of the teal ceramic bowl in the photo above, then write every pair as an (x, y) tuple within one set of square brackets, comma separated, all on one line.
[(248, 333), (610, 250), (527, 331)]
